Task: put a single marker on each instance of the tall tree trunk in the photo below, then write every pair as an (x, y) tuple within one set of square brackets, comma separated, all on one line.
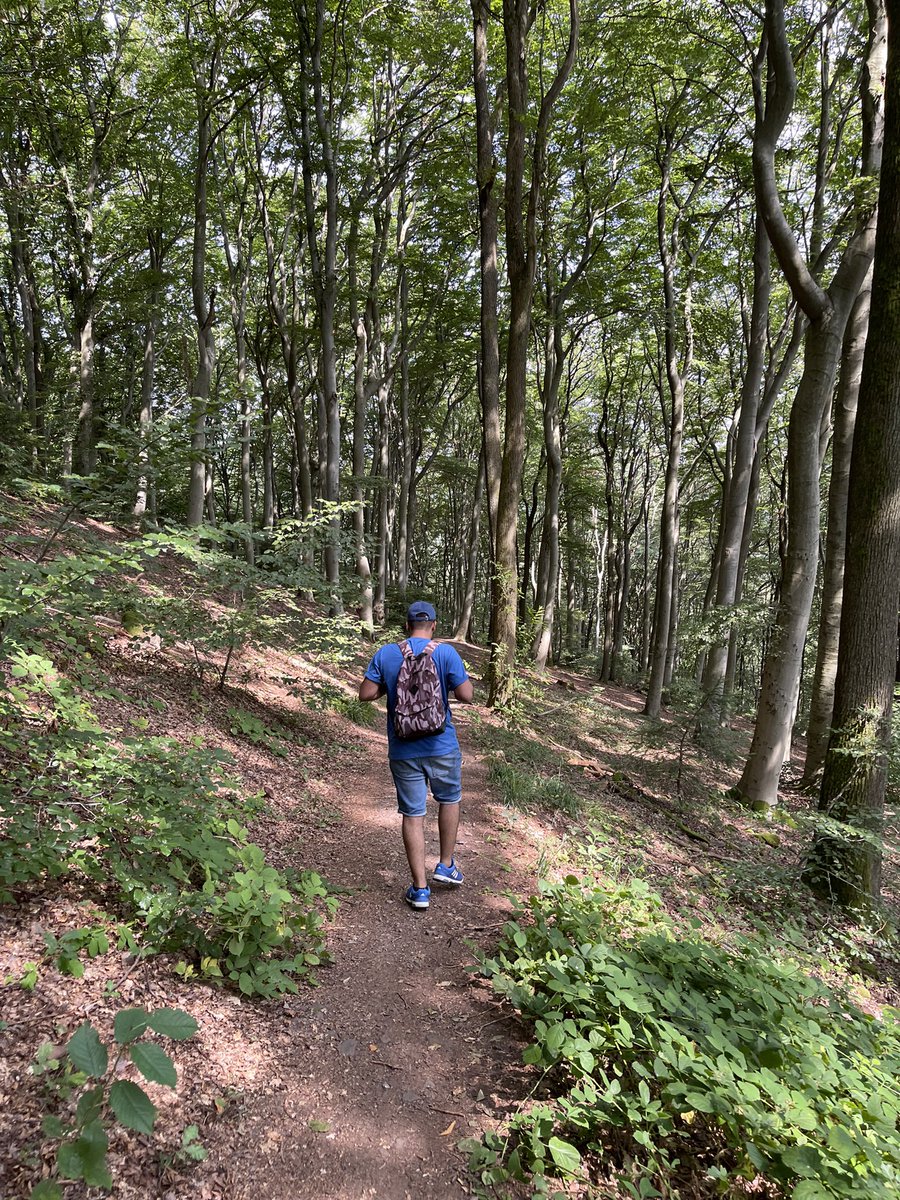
[(144, 503), (204, 309), (737, 489), (324, 271), (846, 865), (669, 248), (489, 360), (833, 571), (464, 620), (521, 264), (548, 558)]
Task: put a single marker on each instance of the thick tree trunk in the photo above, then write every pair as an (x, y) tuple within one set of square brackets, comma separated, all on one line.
[(847, 866)]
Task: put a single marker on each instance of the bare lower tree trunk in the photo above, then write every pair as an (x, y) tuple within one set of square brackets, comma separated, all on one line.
[(144, 503), (833, 571), (548, 558), (668, 243), (737, 490), (363, 569), (464, 621)]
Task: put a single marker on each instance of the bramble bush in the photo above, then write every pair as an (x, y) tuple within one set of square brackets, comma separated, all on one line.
[(672, 1057)]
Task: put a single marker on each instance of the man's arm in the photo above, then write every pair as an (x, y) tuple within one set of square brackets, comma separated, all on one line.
[(465, 692), (369, 690)]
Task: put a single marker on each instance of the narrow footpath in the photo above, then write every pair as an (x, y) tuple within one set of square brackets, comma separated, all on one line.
[(400, 1052)]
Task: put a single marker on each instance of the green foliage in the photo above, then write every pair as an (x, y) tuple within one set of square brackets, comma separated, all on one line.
[(65, 950), (321, 694), (84, 1141), (520, 790), (158, 826), (673, 1054)]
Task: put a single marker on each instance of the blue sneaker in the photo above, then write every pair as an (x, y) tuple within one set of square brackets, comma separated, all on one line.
[(451, 874), (417, 897)]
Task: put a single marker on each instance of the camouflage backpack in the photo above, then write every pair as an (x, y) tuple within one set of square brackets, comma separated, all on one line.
[(419, 709)]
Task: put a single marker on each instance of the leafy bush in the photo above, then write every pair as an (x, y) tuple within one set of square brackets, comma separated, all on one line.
[(328, 695), (671, 1055), (158, 828), (83, 1140)]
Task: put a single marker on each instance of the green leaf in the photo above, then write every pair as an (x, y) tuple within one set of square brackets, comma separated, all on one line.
[(87, 1052), (154, 1064), (85, 1157), (699, 1102), (132, 1106), (129, 1024), (47, 1189), (92, 1146), (89, 1106), (173, 1023), (68, 1161), (564, 1155), (52, 1127)]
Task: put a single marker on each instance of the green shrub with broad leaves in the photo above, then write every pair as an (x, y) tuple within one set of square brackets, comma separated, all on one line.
[(674, 1057), (94, 1070)]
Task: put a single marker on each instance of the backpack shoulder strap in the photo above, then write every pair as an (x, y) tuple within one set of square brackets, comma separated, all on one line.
[(405, 649), (430, 648)]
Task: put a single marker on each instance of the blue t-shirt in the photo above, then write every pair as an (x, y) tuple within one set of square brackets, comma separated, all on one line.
[(385, 667)]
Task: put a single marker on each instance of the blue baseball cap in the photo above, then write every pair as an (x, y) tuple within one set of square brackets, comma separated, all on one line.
[(420, 612)]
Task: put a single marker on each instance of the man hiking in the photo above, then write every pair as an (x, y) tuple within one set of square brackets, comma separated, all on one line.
[(417, 675)]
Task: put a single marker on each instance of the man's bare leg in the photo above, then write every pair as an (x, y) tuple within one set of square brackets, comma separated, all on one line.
[(414, 844), (448, 824)]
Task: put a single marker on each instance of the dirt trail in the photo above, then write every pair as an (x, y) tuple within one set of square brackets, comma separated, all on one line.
[(400, 1052)]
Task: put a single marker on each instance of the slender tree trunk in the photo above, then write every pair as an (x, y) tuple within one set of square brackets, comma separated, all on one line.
[(144, 496), (489, 364), (521, 264), (675, 375), (548, 559), (204, 309), (737, 491), (833, 571), (464, 621)]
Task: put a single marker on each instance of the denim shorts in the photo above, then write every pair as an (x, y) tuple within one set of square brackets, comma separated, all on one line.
[(412, 777)]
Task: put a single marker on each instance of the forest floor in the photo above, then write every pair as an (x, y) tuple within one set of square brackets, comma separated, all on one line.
[(364, 1085)]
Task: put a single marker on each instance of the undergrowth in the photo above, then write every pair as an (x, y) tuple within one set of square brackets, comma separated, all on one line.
[(152, 826), (684, 1063)]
